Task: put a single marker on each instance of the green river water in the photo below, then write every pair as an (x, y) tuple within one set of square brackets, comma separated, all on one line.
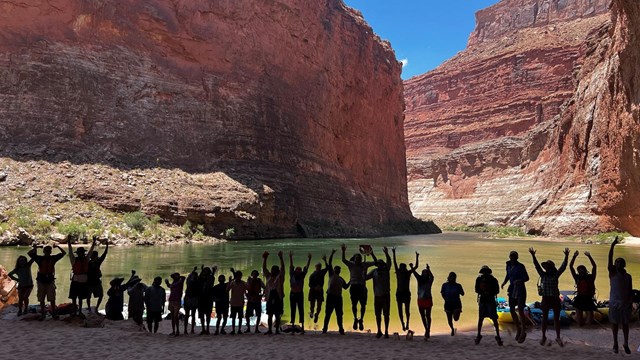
[(463, 253)]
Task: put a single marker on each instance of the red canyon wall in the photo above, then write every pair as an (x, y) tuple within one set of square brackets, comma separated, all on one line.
[(285, 115), (534, 123)]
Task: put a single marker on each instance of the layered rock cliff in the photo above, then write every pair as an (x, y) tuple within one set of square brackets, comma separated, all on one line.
[(533, 124), (277, 118)]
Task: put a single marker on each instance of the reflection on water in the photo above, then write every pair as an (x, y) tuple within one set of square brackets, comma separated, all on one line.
[(463, 253)]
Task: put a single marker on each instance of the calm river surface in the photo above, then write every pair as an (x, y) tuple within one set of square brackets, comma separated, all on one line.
[(463, 253)]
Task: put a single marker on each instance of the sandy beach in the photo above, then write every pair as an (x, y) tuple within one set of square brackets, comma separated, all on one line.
[(51, 339)]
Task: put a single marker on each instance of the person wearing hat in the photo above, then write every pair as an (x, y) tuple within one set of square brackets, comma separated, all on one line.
[(517, 276), (46, 276), (550, 292), (115, 294), (487, 289), (79, 288)]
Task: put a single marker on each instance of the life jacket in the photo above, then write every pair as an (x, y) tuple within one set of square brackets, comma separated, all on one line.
[(47, 266), (80, 267), (586, 286)]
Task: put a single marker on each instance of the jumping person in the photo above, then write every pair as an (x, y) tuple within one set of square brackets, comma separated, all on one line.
[(154, 298), (403, 291), (425, 298), (175, 301), (334, 294), (381, 291), (316, 291), (238, 290), (46, 278), (549, 276), (487, 289), (358, 291), (275, 292), (517, 276), (221, 297), (255, 288), (79, 288), (451, 292), (95, 277), (22, 274), (620, 298), (585, 289), (191, 295), (296, 294)]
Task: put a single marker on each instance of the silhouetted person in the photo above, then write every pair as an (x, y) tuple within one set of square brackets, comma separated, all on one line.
[(79, 288), (46, 277), (255, 288), (620, 298), (358, 291), (95, 277), (487, 289), (296, 294), (425, 297), (549, 276), (175, 301), (517, 276), (22, 274), (115, 294), (584, 302), (334, 294), (154, 298), (136, 303), (206, 281), (316, 291), (382, 291), (451, 292), (403, 291), (221, 297), (275, 291), (238, 290), (191, 295)]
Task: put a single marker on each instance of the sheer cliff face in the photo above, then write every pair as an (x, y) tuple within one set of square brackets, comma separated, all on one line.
[(297, 101), (548, 140)]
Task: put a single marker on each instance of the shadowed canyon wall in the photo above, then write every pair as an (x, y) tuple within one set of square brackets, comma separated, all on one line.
[(277, 118), (535, 124)]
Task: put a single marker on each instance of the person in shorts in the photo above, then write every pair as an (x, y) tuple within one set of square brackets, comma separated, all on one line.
[(238, 290), (154, 298), (175, 301), (79, 289), (191, 300), (517, 276), (451, 292), (358, 291), (221, 298), (334, 294), (275, 292), (296, 293), (207, 280), (316, 291), (403, 291), (22, 275), (255, 288), (95, 277), (620, 298), (46, 278), (584, 301), (382, 291), (425, 298), (487, 289)]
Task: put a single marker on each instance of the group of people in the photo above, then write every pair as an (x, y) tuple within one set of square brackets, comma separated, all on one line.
[(198, 292)]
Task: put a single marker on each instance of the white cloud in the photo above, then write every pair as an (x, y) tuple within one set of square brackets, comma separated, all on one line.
[(404, 62)]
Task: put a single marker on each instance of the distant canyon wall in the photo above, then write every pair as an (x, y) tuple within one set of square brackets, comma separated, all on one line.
[(287, 114), (537, 127)]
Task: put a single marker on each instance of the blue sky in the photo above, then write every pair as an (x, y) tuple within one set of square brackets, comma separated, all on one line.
[(423, 32)]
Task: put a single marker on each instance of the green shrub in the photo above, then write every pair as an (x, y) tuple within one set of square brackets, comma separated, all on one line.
[(136, 220), (41, 227), (186, 230), (229, 232), (73, 228), (23, 217)]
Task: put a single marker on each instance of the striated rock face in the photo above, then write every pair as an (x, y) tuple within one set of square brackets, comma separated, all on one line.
[(286, 115), (536, 127)]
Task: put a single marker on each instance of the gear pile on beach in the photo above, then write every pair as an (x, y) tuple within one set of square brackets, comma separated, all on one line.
[(237, 299)]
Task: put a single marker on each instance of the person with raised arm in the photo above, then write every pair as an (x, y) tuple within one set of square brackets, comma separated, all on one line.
[(334, 294), (115, 294), (584, 301), (255, 288), (22, 275), (620, 298), (358, 291), (425, 297), (79, 288), (316, 291), (95, 277), (403, 291), (206, 280), (517, 276), (296, 294), (549, 277), (191, 294), (175, 301), (382, 291), (274, 292), (46, 277)]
